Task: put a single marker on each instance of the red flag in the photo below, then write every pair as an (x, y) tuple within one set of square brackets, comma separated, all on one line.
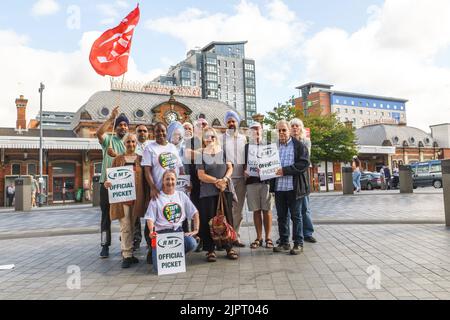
[(109, 53)]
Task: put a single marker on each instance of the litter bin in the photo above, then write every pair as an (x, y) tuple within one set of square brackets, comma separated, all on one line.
[(23, 194), (96, 191)]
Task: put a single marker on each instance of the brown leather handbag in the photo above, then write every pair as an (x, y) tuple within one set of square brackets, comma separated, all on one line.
[(221, 231)]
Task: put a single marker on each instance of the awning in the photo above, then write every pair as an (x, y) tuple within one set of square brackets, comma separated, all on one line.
[(375, 150), (49, 143)]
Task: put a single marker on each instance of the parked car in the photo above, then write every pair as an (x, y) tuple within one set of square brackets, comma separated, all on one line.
[(370, 180), (427, 174)]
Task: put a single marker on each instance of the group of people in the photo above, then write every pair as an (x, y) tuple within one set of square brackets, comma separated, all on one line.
[(388, 180), (217, 166)]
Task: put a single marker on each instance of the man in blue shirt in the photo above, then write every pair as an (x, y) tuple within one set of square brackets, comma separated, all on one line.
[(290, 188)]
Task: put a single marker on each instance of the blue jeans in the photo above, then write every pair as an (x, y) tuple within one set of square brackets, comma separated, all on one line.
[(308, 228), (286, 202), (189, 245), (357, 180)]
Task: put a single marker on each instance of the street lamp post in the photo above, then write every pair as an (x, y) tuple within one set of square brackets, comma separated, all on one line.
[(41, 178)]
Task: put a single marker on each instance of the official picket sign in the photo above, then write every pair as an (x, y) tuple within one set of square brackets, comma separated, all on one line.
[(170, 253), (123, 187), (183, 182), (265, 159)]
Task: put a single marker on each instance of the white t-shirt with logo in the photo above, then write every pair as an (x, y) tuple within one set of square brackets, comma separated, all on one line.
[(161, 158), (169, 211)]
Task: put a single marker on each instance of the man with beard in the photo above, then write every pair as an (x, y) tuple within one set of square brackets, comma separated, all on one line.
[(142, 136), (234, 146), (159, 156), (112, 146)]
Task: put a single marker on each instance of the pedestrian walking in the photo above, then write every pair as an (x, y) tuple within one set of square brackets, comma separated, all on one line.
[(11, 192), (356, 166)]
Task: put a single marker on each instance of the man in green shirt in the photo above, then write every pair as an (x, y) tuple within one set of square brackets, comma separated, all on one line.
[(112, 146)]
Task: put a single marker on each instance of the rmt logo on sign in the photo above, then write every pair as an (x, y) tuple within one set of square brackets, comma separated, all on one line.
[(119, 174), (170, 242)]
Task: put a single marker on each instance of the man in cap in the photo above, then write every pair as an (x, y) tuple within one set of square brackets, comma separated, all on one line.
[(112, 146), (234, 146)]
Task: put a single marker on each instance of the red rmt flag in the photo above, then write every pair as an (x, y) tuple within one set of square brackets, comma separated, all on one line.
[(109, 53)]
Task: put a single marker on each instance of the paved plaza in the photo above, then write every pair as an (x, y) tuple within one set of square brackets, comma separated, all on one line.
[(401, 236)]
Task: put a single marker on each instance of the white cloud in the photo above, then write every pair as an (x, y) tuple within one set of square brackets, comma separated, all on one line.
[(113, 12), (273, 32), (394, 54), (45, 8), (68, 77)]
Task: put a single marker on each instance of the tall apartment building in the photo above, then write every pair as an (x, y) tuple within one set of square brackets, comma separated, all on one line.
[(222, 72), (361, 109)]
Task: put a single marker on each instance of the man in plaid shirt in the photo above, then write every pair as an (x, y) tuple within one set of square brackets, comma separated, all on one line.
[(290, 188)]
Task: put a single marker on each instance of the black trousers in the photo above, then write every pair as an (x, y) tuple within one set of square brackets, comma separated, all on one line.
[(105, 224), (208, 209), (10, 199)]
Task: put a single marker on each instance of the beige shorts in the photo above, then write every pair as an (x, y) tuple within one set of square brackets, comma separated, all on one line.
[(259, 197)]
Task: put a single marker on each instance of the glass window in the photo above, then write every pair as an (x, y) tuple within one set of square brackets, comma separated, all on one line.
[(234, 81), (249, 74), (64, 168), (381, 105), (225, 71), (185, 74), (234, 64), (337, 101), (345, 101), (249, 66), (226, 64), (211, 69), (32, 169), (353, 103), (97, 168), (435, 167), (186, 83), (361, 112), (211, 60), (212, 85), (16, 169), (374, 104), (353, 111), (423, 168), (211, 77)]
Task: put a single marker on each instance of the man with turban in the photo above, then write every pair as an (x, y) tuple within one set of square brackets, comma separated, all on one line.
[(112, 146), (234, 146)]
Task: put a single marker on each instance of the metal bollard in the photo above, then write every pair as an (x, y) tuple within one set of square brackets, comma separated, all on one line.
[(347, 180), (406, 181), (446, 185), (23, 194), (96, 191)]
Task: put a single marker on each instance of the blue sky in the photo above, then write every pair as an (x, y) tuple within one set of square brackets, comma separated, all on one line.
[(319, 37)]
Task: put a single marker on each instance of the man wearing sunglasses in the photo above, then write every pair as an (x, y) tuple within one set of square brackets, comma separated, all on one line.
[(142, 141), (290, 187)]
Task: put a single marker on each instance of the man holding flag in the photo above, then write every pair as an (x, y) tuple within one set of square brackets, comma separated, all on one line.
[(109, 56)]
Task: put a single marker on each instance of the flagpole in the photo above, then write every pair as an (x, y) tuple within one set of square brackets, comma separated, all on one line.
[(111, 152)]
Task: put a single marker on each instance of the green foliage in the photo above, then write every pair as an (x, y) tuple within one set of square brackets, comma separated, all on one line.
[(284, 111), (331, 140)]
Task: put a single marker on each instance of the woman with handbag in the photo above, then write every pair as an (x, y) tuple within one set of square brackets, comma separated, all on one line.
[(215, 196)]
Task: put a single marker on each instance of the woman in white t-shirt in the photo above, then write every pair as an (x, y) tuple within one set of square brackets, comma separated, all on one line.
[(167, 212)]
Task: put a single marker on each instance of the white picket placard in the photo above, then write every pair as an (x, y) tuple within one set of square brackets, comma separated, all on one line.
[(123, 187)]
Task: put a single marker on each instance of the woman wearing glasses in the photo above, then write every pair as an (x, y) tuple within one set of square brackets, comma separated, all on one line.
[(214, 174), (128, 212)]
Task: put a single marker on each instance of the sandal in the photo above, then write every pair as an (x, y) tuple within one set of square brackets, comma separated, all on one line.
[(232, 255), (269, 243), (256, 244), (211, 257)]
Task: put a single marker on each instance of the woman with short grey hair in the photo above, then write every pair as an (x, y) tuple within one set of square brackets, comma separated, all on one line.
[(298, 132)]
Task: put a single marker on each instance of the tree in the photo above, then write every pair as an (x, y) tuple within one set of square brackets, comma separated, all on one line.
[(331, 140), (285, 111)]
